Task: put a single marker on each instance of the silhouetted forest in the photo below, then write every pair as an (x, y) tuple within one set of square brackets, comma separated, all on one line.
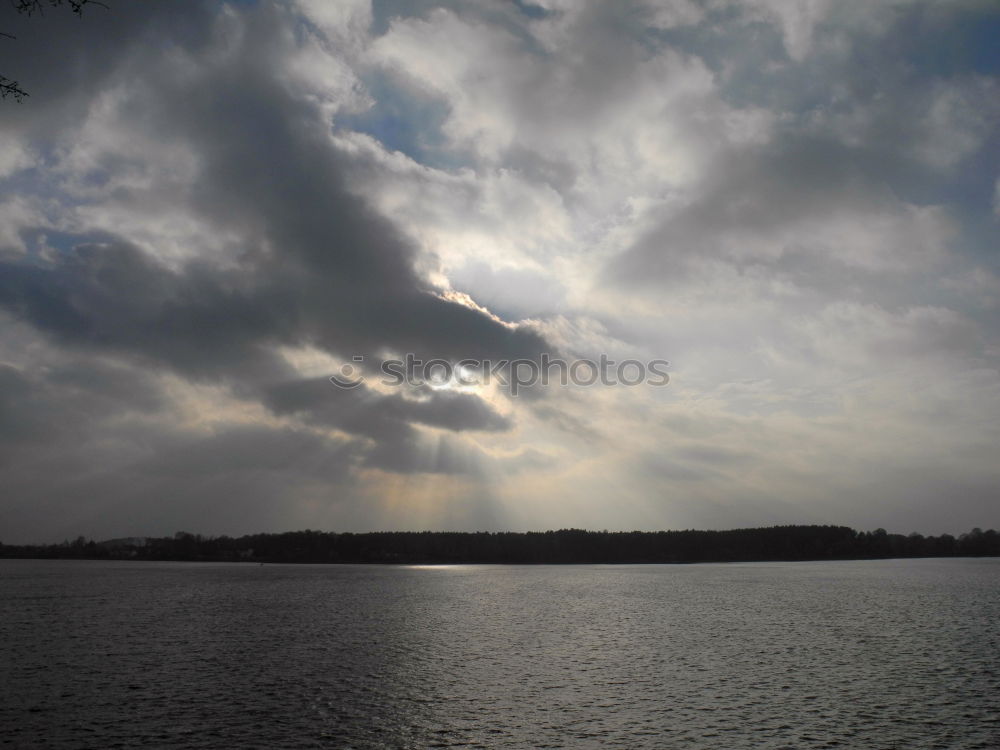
[(564, 546)]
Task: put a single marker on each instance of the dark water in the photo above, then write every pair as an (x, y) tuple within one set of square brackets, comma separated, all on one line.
[(886, 654)]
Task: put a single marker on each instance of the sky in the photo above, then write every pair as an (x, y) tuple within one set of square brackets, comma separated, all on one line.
[(209, 208)]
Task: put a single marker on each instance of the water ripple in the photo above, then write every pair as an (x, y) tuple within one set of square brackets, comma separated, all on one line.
[(876, 654)]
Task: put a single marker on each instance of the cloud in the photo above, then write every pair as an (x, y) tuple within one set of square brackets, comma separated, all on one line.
[(306, 261), (364, 411), (207, 210), (791, 200)]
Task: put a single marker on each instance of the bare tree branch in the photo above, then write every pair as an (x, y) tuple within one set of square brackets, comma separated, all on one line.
[(9, 87), (30, 7), (12, 89)]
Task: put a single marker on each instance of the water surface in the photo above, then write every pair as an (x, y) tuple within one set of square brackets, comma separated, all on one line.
[(867, 654)]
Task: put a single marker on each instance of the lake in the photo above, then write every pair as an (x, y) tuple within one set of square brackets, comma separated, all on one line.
[(860, 654)]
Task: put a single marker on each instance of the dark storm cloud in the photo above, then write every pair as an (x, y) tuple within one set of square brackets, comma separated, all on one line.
[(111, 297), (320, 267), (363, 411), (387, 420), (53, 55), (316, 266), (65, 402), (203, 324), (333, 273), (253, 450)]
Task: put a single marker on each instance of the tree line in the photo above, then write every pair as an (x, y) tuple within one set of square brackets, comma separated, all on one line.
[(564, 546)]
